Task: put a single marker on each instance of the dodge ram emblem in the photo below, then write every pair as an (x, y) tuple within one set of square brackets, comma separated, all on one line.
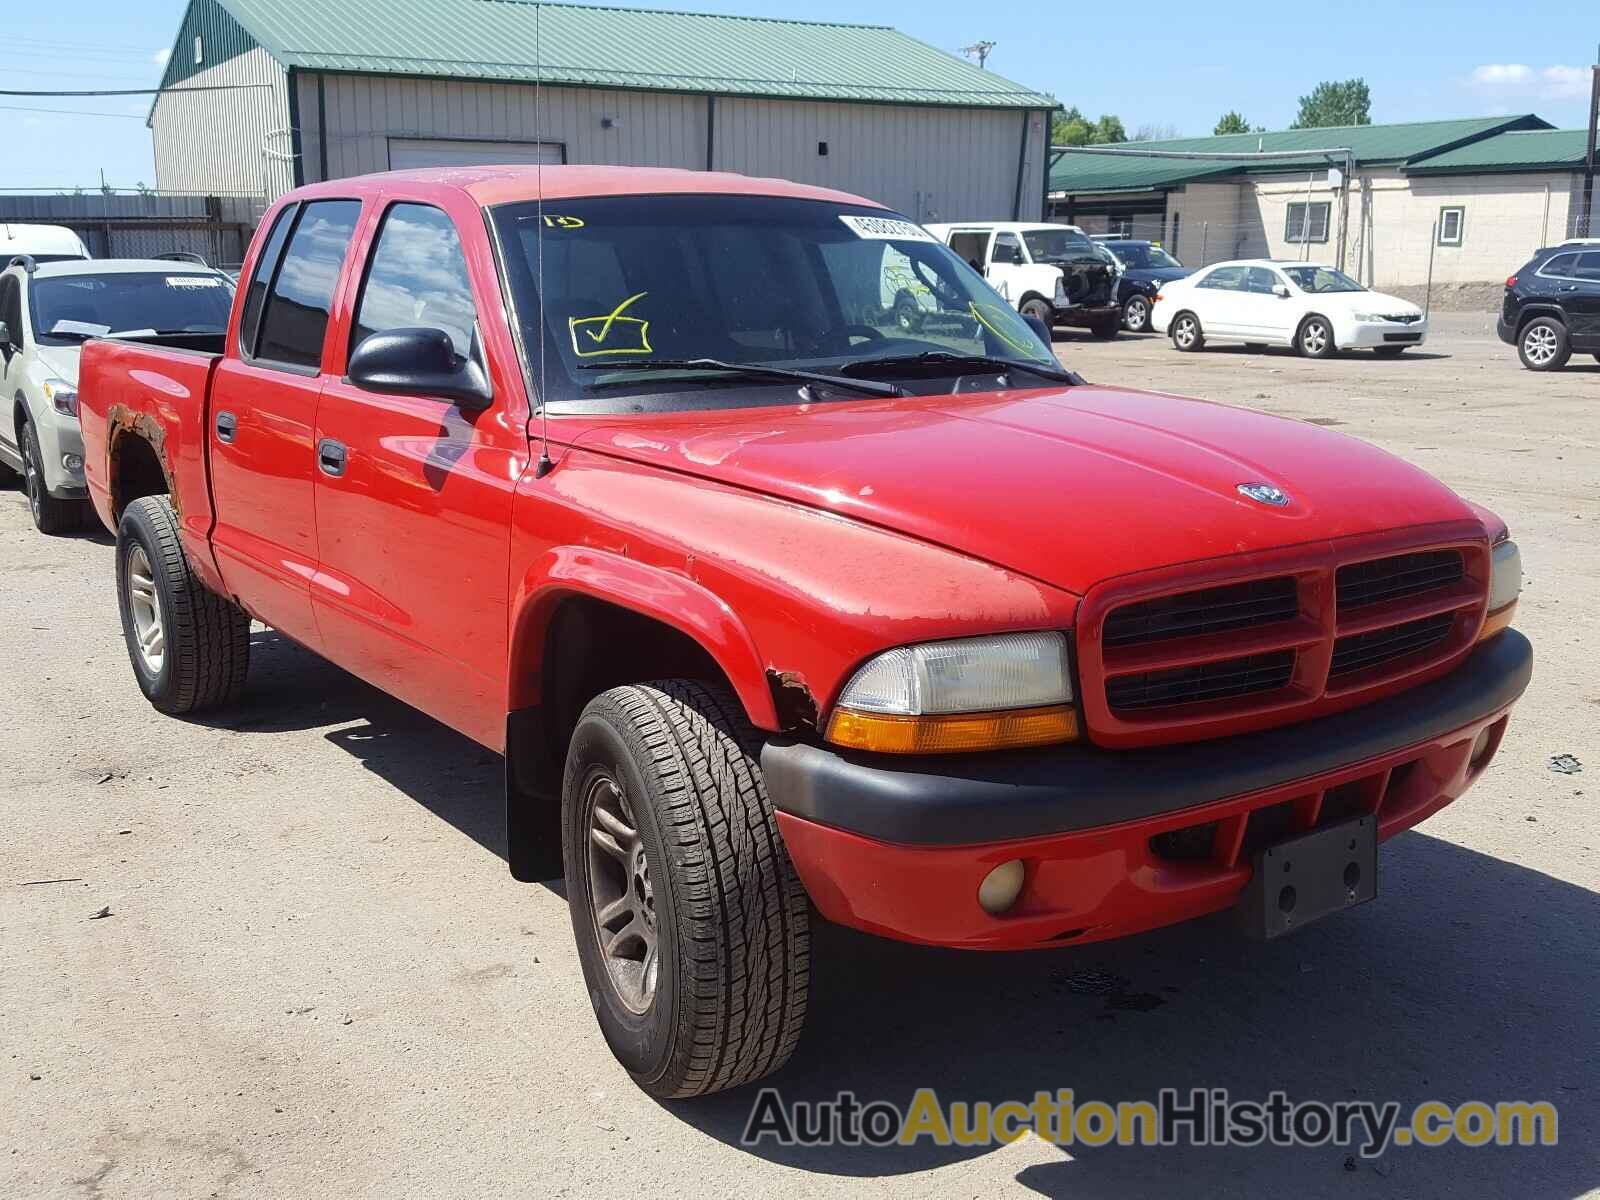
[(1265, 493)]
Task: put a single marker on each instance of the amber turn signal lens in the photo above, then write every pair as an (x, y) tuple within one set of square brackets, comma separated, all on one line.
[(951, 732), (1496, 621)]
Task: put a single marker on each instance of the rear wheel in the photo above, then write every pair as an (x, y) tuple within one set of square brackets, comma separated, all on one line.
[(1136, 314), (1543, 345), (189, 647), (692, 927), (906, 313), (1315, 338), (1186, 333), (50, 515)]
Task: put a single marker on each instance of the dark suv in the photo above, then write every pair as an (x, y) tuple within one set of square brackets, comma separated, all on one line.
[(1145, 267), (1552, 306)]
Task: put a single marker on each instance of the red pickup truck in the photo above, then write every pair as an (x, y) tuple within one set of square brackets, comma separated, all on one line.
[(777, 609)]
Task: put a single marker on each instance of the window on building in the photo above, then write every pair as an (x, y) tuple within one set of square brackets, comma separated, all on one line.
[(1307, 221), (1120, 226), (1452, 223), (199, 51), (418, 277), (296, 317)]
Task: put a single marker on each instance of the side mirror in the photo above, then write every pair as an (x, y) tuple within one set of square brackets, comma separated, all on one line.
[(1039, 327), (1281, 291), (418, 362)]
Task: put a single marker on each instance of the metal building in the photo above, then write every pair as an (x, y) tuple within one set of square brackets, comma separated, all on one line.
[(262, 94)]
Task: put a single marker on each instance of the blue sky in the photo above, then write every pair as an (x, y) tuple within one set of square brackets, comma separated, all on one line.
[(1160, 64)]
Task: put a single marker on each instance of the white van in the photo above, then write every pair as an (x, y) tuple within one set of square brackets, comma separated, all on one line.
[(42, 243)]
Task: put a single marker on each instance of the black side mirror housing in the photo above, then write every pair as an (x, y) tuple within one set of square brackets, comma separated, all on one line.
[(5, 337), (1039, 327), (416, 361)]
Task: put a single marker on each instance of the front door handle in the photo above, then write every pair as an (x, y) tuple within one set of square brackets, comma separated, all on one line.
[(227, 426), (331, 456)]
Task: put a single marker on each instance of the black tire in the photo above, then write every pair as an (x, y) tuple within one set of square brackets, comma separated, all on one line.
[(1107, 328), (1314, 338), (1389, 351), (205, 638), (50, 515), (728, 916), (1041, 309), (1543, 345), (1136, 314), (907, 314), (1186, 333)]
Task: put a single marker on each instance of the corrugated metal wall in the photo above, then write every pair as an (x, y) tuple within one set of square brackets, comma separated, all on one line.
[(216, 228), (930, 163), (234, 142)]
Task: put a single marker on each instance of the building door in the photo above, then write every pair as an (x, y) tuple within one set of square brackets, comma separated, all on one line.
[(407, 154)]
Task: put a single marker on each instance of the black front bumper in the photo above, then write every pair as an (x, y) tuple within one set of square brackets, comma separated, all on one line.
[(1088, 314), (966, 799)]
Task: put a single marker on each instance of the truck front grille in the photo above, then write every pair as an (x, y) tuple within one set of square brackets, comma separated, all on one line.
[(1179, 655)]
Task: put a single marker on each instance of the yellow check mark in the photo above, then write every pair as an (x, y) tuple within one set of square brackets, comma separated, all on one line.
[(615, 313)]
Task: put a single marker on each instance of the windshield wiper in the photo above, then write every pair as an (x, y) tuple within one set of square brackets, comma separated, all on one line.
[(943, 358), (748, 370)]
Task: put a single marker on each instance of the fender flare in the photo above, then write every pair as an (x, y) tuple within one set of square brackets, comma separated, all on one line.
[(666, 596)]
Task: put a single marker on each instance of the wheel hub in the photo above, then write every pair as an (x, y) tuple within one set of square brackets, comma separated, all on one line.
[(144, 608), (1541, 344), (622, 897)]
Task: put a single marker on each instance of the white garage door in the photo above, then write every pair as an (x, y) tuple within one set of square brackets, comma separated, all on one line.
[(407, 153)]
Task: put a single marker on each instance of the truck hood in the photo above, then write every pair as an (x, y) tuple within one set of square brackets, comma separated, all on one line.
[(1069, 486)]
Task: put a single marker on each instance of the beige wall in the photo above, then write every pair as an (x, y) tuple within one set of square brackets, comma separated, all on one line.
[(235, 142)]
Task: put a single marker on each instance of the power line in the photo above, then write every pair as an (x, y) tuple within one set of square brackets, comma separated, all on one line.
[(207, 87), (71, 112)]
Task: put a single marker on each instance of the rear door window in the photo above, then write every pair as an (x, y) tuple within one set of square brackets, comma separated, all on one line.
[(296, 318), (1261, 281), (1228, 279), (1588, 268), (969, 246), (1561, 266)]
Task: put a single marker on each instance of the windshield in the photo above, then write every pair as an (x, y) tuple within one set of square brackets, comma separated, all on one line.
[(66, 309), (1056, 245), (1142, 256), (1321, 279), (636, 286)]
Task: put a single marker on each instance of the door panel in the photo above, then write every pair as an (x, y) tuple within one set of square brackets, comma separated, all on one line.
[(412, 589), (1580, 296), (1220, 302)]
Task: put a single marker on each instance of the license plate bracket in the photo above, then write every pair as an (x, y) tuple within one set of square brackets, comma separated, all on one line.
[(1302, 879)]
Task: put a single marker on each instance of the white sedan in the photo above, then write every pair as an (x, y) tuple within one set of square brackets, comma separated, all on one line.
[(1314, 308)]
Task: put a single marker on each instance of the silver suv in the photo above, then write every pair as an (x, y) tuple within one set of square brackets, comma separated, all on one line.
[(47, 311)]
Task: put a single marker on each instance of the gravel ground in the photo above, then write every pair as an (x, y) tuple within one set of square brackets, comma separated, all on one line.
[(317, 978)]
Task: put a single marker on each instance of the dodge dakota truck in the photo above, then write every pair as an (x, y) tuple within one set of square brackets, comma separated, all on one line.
[(780, 612)]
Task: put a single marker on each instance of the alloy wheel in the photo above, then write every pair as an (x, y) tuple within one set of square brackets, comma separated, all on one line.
[(1540, 344), (144, 606), (621, 894), (1186, 331), (1138, 314), (1314, 338)]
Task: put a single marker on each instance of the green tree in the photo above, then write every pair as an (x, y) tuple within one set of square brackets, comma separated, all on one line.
[(1335, 102), (1072, 128), (1234, 122)]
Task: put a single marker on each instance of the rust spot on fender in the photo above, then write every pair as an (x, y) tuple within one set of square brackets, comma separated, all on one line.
[(121, 424), (792, 699)]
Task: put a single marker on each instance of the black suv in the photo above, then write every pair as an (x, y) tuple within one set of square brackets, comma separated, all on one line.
[(1145, 267), (1552, 306)]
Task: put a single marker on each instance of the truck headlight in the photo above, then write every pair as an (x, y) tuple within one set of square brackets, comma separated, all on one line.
[(1505, 585), (987, 693), (62, 395)]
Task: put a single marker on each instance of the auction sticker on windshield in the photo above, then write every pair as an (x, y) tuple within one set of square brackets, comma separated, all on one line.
[(886, 229)]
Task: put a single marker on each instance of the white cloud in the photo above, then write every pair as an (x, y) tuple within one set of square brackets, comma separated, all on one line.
[(1519, 79), (160, 57)]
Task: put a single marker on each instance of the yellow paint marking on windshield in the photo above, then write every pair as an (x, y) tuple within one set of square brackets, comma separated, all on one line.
[(564, 222), (633, 333), (989, 324)]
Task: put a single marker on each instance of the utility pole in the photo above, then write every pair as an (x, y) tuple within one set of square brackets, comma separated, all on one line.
[(980, 50), (1586, 226)]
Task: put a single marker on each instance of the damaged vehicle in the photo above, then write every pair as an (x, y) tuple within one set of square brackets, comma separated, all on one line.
[(1055, 274), (779, 611)]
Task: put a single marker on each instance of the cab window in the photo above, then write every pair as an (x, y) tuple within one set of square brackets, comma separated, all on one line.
[(296, 318), (1007, 250), (1261, 281), (417, 277), (1227, 279)]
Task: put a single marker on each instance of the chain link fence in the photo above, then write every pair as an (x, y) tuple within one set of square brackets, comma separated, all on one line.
[(218, 228)]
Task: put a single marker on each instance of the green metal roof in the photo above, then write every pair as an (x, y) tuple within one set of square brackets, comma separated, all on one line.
[(1519, 150), (1372, 145), (622, 48)]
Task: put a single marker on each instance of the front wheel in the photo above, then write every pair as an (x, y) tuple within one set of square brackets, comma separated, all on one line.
[(1136, 314), (1543, 345), (1186, 334), (692, 926), (50, 515), (189, 647), (1315, 339)]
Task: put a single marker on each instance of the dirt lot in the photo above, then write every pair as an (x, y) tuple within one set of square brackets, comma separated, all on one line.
[(317, 977)]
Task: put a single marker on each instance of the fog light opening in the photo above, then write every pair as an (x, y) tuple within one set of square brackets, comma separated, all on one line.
[(1482, 748), (72, 462), (1001, 887)]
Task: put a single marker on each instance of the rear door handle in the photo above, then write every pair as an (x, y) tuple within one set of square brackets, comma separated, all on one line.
[(331, 456), (227, 426)]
